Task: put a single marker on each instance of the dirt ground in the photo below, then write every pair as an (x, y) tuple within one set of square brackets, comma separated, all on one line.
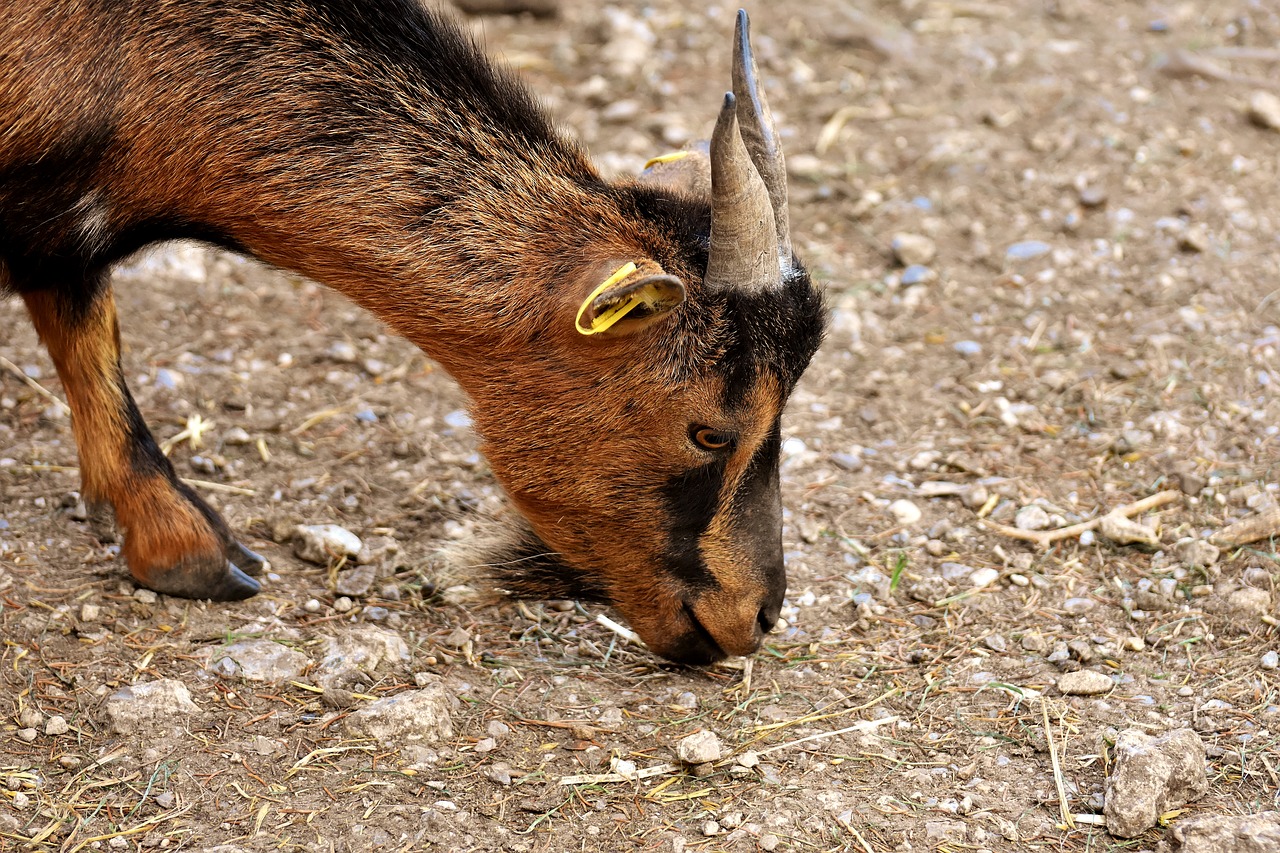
[(1093, 318)]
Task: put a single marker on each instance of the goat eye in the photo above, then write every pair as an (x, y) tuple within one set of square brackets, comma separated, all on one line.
[(712, 439)]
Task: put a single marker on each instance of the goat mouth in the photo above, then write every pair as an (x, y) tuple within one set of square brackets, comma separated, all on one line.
[(702, 647)]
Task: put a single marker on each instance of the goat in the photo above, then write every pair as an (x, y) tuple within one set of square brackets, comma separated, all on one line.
[(628, 347)]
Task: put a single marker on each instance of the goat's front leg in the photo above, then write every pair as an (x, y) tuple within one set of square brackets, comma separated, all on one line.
[(173, 541)]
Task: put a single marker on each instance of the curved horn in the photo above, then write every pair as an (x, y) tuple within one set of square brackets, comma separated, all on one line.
[(759, 132), (744, 246)]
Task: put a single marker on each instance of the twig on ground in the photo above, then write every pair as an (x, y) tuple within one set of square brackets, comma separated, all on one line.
[(863, 726), (602, 778), (1264, 525), (34, 385), (1046, 538)]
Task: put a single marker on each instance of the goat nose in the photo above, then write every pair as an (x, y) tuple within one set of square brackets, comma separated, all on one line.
[(767, 618)]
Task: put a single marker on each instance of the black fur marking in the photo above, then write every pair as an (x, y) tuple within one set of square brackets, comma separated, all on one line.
[(692, 498)]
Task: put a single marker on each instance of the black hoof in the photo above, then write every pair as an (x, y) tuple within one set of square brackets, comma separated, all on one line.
[(215, 579), (246, 560)]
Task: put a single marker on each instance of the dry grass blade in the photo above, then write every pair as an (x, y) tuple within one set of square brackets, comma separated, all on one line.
[(1063, 807), (864, 727)]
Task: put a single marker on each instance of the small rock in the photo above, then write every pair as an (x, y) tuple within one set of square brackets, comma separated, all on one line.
[(917, 274), (1027, 250), (996, 643), (343, 604), (1194, 240), (1034, 643), (145, 596), (1150, 776), (913, 249), (342, 352), (312, 605), (769, 842), (1084, 682), (904, 512), (411, 717), (90, 612), (1249, 602), (362, 650), (1264, 110), (710, 828), (499, 773), (699, 748), (983, 577), (144, 707), (748, 760), (57, 725), (1196, 553), (484, 745), (30, 718), (687, 700), (1216, 833), (259, 660), (355, 582), (28, 735), (457, 638), (1270, 660), (237, 437), (322, 543), (497, 729), (1076, 606), (1031, 518)]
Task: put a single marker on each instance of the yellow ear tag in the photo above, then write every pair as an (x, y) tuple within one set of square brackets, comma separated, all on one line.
[(665, 158), (603, 321)]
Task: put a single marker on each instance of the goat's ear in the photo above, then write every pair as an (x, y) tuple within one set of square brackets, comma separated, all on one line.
[(687, 171), (630, 299)]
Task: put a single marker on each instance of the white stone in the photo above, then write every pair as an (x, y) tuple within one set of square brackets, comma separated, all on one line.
[(904, 512), (983, 577), (1084, 682), (322, 543), (411, 717), (699, 748), (141, 707)]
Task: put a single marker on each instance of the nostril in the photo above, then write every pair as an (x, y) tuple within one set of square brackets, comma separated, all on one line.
[(767, 618)]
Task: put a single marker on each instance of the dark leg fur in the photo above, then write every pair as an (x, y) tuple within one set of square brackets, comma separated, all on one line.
[(173, 541)]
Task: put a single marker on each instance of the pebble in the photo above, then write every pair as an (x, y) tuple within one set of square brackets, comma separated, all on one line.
[(1031, 518), (484, 745), (145, 596), (1027, 250), (686, 700), (312, 605), (499, 773), (1270, 660), (996, 643), (749, 760), (1150, 776), (968, 348), (1084, 682), (1076, 606), (320, 543), (342, 352), (983, 577), (769, 842), (699, 748), (710, 828), (904, 512), (57, 725), (1249, 602), (1196, 553), (1264, 110), (237, 436), (917, 274), (1194, 239), (27, 735), (140, 707), (342, 604), (410, 717), (1219, 833), (913, 249), (356, 582), (259, 659)]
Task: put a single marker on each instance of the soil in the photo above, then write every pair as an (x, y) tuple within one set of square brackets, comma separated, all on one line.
[(1093, 318)]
